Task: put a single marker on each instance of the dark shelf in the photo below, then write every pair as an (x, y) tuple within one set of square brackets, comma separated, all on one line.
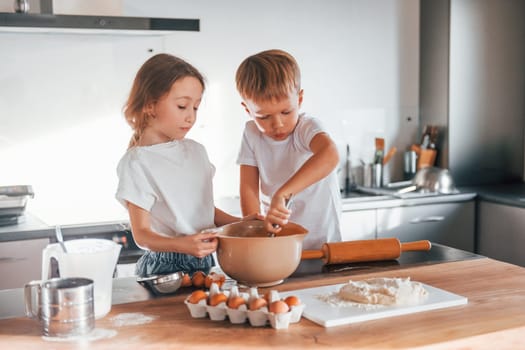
[(28, 22)]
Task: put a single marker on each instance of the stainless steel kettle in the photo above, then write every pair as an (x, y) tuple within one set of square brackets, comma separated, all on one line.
[(431, 180)]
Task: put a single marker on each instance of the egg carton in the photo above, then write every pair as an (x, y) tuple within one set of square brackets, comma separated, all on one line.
[(257, 318)]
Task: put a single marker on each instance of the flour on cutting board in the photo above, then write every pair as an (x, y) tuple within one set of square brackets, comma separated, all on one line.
[(377, 292), (324, 305)]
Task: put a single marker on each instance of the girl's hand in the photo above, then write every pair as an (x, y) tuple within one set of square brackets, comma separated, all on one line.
[(277, 215), (200, 244)]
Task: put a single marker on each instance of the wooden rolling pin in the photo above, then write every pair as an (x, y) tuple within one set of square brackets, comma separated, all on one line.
[(364, 250)]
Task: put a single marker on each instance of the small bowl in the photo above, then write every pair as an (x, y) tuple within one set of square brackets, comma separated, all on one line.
[(162, 284), (247, 254)]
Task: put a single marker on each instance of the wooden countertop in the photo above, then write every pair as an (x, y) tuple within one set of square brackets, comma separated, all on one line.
[(493, 318)]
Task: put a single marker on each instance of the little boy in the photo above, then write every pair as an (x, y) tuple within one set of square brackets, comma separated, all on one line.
[(285, 153)]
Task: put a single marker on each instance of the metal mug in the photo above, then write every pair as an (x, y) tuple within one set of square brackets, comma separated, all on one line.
[(64, 306), (367, 175), (21, 6), (409, 165), (377, 175)]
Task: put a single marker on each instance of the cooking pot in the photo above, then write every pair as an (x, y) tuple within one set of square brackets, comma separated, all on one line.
[(249, 255)]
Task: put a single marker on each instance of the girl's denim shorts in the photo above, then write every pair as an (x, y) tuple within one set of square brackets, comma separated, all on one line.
[(161, 263)]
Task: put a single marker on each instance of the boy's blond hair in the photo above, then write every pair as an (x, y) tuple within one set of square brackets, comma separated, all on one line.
[(268, 75)]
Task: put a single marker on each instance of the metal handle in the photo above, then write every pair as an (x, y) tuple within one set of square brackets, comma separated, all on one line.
[(416, 245), (51, 251), (287, 205), (427, 219), (28, 298)]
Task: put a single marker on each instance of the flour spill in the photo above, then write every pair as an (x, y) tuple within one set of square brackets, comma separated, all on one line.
[(131, 319), (96, 334)]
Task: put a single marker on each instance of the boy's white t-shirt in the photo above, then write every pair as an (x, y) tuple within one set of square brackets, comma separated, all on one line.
[(318, 207), (172, 181)]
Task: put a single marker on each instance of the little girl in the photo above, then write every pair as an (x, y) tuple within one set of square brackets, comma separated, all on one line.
[(165, 179)]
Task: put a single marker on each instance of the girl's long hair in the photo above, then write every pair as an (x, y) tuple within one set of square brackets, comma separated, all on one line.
[(153, 80)]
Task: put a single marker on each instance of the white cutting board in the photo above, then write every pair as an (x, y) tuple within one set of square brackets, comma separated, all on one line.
[(327, 315)]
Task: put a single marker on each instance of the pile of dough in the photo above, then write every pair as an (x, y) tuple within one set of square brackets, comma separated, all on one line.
[(384, 291)]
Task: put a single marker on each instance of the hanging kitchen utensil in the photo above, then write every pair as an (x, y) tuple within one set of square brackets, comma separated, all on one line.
[(364, 250), (389, 155)]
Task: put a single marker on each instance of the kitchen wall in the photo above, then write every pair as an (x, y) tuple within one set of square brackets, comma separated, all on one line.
[(472, 83), (61, 126)]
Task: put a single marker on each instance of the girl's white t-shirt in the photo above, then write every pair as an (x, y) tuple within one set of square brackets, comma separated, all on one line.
[(173, 182), (318, 207)]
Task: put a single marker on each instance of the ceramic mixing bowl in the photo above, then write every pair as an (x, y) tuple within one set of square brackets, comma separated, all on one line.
[(249, 255)]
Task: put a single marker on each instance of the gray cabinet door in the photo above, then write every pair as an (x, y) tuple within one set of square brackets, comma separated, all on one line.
[(21, 262), (501, 232), (451, 224), (358, 224)]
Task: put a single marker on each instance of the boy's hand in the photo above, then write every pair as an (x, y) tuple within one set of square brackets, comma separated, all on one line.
[(277, 215), (256, 216), (200, 244)]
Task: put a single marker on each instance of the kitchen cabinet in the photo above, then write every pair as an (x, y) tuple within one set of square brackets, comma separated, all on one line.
[(501, 233), (358, 224), (451, 224), (21, 262)]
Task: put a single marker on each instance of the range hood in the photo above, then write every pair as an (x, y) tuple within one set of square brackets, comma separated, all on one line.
[(23, 22)]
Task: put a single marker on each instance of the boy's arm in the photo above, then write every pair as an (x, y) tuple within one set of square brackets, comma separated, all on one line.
[(223, 218), (249, 190), (324, 159)]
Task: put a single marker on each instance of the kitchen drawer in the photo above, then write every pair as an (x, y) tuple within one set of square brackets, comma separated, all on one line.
[(359, 224), (501, 233), (21, 262), (451, 224)]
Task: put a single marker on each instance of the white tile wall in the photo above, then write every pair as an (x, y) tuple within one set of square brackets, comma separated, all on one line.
[(61, 127)]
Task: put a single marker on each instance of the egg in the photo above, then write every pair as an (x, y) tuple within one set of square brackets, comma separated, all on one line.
[(292, 300), (271, 296), (279, 307), (198, 279), (186, 280), (214, 278), (216, 299), (220, 279), (197, 296), (208, 280), (235, 302), (257, 303)]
